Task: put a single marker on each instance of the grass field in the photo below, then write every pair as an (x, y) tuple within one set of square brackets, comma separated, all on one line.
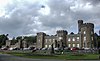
[(63, 57)]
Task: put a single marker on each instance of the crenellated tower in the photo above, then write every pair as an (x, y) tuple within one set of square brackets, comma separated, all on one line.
[(87, 34), (40, 40), (62, 35)]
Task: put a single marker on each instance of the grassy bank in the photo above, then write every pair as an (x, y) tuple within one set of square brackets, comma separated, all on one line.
[(63, 57)]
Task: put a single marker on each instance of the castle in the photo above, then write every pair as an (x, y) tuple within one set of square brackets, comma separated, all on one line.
[(83, 39)]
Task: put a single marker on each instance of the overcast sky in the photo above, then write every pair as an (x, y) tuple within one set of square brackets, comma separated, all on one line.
[(27, 17)]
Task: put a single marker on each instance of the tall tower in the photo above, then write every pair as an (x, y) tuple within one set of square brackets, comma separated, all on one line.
[(61, 34), (87, 35), (40, 40), (80, 23)]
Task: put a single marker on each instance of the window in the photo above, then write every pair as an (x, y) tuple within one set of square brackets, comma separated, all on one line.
[(69, 39), (73, 39), (77, 38), (84, 32), (53, 40), (73, 45), (45, 46), (49, 46), (69, 45), (84, 38), (78, 45), (60, 38), (39, 40)]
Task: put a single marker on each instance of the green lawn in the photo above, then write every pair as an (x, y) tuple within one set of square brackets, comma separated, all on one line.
[(63, 57)]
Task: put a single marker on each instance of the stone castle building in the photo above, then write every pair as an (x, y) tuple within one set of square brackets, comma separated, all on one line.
[(83, 39)]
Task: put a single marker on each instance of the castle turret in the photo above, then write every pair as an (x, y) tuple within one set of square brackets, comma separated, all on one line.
[(80, 22), (87, 35)]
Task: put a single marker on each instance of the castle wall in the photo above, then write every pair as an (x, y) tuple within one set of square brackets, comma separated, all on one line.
[(84, 38)]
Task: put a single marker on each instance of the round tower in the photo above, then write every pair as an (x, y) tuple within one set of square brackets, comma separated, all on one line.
[(80, 22), (87, 35)]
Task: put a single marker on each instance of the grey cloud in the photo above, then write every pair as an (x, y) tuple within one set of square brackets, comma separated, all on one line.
[(55, 19), (23, 21), (18, 19), (94, 2)]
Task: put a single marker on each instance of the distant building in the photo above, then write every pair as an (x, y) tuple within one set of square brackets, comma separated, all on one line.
[(84, 38)]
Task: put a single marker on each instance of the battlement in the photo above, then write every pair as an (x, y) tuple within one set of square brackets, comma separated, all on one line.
[(41, 33), (88, 25), (62, 31)]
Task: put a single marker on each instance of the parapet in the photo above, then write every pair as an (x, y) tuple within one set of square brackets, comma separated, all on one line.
[(88, 25), (41, 33), (62, 31)]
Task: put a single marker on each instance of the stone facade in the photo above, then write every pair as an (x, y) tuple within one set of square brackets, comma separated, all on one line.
[(83, 39), (45, 41), (73, 40)]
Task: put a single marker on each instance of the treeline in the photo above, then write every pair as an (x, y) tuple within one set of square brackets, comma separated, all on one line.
[(28, 39), (3, 39)]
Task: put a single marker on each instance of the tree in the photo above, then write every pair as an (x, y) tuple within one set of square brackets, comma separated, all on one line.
[(19, 37), (3, 39), (30, 39)]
